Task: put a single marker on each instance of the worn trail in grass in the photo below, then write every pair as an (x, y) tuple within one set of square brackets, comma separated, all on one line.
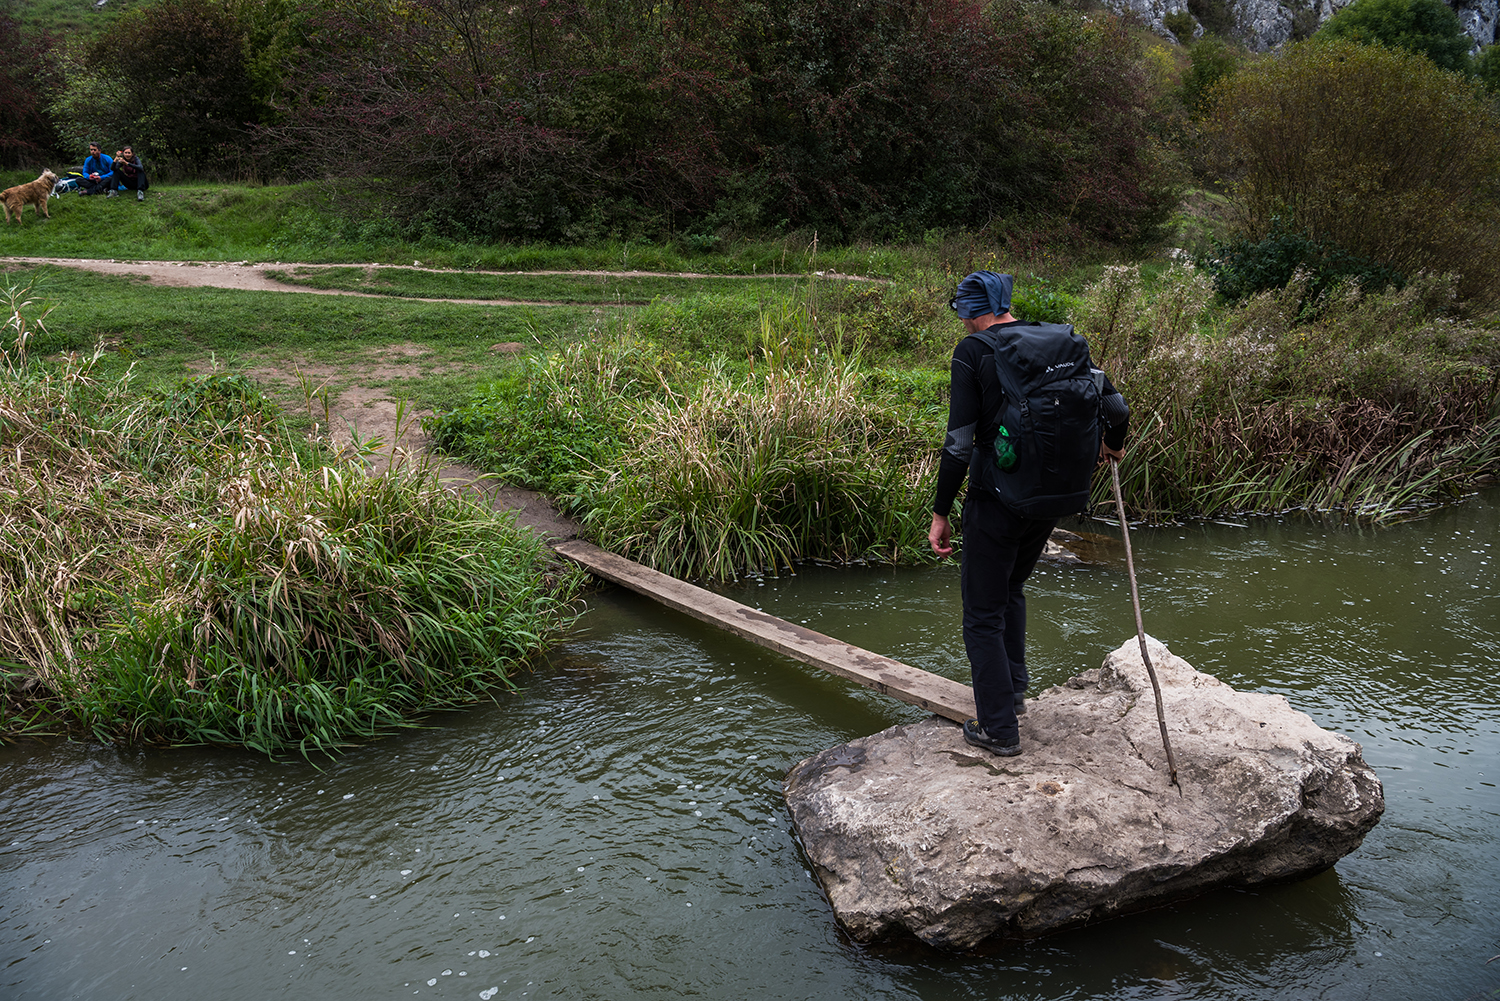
[(497, 288)]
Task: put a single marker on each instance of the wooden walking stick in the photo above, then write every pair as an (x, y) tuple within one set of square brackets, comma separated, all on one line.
[(1140, 630)]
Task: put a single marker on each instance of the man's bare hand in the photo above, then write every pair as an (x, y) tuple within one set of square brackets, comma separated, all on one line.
[(940, 535)]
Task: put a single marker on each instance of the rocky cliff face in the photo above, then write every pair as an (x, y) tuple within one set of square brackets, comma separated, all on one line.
[(1266, 24), (913, 831)]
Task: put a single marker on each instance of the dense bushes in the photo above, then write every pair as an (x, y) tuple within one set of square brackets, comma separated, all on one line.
[(585, 119), (1241, 268), (181, 80), (27, 76), (1368, 405), (1426, 27), (1326, 140)]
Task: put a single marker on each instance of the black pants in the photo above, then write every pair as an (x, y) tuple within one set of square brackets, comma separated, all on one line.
[(89, 186), (136, 183), (1000, 550)]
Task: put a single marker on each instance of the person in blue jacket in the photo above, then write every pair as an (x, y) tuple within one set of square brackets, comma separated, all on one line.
[(98, 173)]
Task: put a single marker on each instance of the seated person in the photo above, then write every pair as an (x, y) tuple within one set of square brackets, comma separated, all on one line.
[(98, 173), (130, 173)]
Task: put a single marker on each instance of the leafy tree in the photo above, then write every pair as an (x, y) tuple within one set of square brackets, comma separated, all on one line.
[(1072, 135), (1487, 68), (570, 119), (1211, 60), (1182, 25), (1428, 27), (27, 73), (182, 80), (1367, 149), (1216, 16)]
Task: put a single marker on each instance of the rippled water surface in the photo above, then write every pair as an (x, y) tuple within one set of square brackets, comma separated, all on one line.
[(616, 829)]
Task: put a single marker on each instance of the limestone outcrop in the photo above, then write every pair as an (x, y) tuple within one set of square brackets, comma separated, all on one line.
[(912, 830), (1266, 24)]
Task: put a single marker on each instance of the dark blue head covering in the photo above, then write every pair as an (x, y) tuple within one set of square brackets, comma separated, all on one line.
[(983, 292)]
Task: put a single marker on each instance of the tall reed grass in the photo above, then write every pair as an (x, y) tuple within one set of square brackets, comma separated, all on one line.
[(759, 473), (175, 567), (1367, 405)]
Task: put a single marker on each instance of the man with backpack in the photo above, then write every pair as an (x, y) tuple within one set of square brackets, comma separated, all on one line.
[(1029, 418)]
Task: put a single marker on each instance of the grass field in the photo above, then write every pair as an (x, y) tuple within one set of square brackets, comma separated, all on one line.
[(317, 223), (168, 333)]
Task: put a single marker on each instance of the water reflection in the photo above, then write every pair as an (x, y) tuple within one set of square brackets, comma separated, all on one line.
[(616, 829)]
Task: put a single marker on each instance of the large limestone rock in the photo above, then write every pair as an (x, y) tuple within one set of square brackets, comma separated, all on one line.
[(1267, 24), (913, 829)]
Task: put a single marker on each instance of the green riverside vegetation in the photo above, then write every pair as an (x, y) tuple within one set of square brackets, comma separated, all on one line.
[(706, 310), (176, 567)]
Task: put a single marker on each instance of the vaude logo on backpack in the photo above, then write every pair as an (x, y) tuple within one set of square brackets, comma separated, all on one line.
[(1050, 415)]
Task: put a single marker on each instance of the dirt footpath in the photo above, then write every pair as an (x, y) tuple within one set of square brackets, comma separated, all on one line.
[(255, 277), (351, 407)]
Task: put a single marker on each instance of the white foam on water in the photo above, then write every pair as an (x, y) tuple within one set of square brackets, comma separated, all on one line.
[(531, 939), (348, 795), (432, 982), (406, 872), (484, 953), (580, 868), (373, 896), (486, 995), (447, 973), (471, 952), (697, 698), (463, 973), (291, 952), (320, 792)]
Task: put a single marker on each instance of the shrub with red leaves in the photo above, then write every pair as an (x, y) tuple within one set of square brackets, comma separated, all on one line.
[(27, 77), (573, 119)]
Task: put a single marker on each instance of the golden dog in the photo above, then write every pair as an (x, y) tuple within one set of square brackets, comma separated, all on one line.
[(33, 193)]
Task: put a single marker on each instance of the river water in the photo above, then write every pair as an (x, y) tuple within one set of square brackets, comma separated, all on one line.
[(616, 830)]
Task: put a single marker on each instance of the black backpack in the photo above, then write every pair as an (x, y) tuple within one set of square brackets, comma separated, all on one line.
[(1050, 413)]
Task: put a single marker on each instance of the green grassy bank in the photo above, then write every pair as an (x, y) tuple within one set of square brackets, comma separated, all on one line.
[(809, 428), (177, 566), (222, 578), (326, 223)]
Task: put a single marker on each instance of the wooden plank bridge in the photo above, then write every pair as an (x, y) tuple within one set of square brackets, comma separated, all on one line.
[(931, 692)]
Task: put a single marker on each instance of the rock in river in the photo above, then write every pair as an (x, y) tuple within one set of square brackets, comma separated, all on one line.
[(913, 829)]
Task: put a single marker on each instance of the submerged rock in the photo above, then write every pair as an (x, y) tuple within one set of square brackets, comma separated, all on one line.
[(912, 829)]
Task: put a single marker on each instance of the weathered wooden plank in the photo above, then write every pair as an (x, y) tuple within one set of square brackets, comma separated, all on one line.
[(936, 694)]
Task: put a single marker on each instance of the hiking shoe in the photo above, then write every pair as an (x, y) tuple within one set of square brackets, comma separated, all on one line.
[(110, 193), (140, 196), (1020, 705), (975, 734)]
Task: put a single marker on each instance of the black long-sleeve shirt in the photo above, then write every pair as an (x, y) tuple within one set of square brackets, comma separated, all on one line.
[(974, 416)]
